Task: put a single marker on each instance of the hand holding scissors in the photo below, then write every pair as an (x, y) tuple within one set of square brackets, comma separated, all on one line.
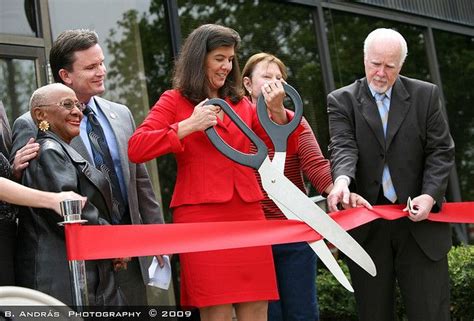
[(274, 95), (292, 201), (419, 208)]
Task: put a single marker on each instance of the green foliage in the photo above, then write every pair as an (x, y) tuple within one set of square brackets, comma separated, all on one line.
[(461, 271), (336, 303), (456, 64)]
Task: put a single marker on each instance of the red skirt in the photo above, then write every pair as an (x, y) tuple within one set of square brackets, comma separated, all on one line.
[(225, 276)]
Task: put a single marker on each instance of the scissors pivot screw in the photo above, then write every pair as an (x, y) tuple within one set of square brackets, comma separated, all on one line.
[(273, 181)]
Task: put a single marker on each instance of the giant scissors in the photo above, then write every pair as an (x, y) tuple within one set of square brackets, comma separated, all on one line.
[(289, 198)]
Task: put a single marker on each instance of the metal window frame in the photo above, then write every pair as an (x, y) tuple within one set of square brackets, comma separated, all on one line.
[(174, 25), (29, 53), (388, 14), (34, 48)]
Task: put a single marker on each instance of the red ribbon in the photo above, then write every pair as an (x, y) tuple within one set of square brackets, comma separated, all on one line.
[(89, 242)]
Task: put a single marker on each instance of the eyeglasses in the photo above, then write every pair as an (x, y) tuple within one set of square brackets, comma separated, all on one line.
[(68, 104)]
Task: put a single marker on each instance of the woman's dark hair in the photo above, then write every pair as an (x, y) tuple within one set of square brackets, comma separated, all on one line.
[(68, 42), (189, 73)]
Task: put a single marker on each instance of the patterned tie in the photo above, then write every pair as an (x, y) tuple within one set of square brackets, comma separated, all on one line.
[(103, 162), (387, 184)]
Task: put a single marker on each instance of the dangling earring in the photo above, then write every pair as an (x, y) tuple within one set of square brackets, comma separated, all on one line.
[(250, 92), (43, 125)]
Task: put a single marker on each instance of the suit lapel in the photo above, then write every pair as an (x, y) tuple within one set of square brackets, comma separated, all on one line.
[(224, 123), (79, 146), (368, 109), (227, 121), (399, 106), (94, 176), (117, 123)]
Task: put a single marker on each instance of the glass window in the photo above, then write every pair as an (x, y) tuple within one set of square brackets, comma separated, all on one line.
[(121, 33), (285, 30), (456, 63), (346, 34), (18, 17), (17, 83)]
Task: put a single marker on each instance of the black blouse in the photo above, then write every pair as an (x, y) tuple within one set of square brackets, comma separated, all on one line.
[(7, 211)]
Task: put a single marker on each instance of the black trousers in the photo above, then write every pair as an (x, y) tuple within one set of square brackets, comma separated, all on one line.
[(7, 252), (424, 283), (130, 280)]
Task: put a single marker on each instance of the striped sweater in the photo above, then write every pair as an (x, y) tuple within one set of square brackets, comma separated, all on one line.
[(308, 160)]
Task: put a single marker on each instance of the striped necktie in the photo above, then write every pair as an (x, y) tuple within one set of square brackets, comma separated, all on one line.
[(103, 162), (387, 184)]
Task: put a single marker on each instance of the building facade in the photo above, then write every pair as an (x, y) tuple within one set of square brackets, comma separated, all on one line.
[(320, 41)]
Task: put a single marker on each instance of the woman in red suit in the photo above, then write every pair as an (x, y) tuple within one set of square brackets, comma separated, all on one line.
[(209, 186)]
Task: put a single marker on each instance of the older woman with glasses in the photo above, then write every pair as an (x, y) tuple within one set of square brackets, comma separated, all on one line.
[(41, 254), (14, 193)]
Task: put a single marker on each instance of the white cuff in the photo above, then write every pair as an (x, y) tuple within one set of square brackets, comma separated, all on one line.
[(344, 177)]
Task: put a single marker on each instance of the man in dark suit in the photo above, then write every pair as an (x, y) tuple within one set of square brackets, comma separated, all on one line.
[(77, 61), (390, 141)]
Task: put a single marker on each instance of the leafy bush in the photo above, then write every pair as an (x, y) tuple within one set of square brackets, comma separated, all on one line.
[(461, 271), (336, 303)]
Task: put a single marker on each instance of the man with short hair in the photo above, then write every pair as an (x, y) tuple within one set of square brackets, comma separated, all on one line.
[(390, 141), (77, 61)]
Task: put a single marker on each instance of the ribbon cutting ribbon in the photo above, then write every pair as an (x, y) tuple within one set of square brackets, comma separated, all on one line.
[(90, 242)]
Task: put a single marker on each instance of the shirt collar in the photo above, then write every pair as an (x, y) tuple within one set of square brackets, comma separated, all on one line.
[(92, 105), (388, 93)]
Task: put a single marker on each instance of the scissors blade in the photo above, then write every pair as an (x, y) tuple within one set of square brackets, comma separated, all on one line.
[(321, 250), (280, 188), (411, 207), (319, 247), (278, 161)]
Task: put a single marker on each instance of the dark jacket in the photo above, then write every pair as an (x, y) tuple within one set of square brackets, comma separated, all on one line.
[(142, 204), (418, 149), (41, 255)]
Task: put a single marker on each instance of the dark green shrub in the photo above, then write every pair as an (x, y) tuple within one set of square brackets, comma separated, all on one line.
[(336, 303), (461, 272)]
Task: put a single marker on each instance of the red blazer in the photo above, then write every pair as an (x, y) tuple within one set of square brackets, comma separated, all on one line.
[(204, 175)]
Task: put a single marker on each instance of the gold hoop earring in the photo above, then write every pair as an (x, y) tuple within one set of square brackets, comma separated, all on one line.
[(43, 125)]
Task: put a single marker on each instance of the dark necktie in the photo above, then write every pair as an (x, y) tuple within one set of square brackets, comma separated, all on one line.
[(103, 162)]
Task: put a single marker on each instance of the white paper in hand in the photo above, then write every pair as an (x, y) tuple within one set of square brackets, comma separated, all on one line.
[(160, 277)]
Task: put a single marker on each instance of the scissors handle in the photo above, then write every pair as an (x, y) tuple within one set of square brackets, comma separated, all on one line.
[(279, 133), (250, 160)]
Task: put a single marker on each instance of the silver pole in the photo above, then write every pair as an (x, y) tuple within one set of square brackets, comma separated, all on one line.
[(71, 211)]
